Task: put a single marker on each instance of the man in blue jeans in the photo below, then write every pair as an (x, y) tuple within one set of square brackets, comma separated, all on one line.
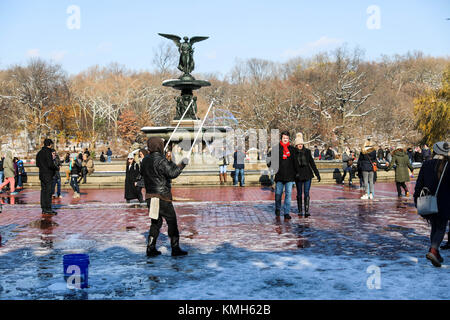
[(238, 165), (285, 175)]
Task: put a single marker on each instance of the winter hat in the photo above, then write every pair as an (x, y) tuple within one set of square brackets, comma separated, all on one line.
[(442, 148), (130, 156), (400, 146), (299, 139)]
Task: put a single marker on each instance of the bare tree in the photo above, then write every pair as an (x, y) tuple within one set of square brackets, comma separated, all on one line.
[(164, 58), (38, 88)]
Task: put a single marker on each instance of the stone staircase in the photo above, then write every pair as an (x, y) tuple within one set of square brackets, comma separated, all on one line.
[(112, 175)]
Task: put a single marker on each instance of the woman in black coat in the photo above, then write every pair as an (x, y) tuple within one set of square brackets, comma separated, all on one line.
[(429, 176), (131, 179), (304, 167)]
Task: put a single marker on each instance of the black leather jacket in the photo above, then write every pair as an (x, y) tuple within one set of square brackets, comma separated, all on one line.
[(157, 172)]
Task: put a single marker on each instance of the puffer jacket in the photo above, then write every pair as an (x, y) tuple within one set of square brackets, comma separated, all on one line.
[(158, 172)]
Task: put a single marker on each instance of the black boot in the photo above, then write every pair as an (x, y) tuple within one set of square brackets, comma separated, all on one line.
[(176, 250), (277, 212), (151, 247), (300, 206), (307, 207)]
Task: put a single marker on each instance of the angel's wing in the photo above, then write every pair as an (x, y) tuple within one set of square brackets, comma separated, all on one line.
[(197, 39), (172, 37)]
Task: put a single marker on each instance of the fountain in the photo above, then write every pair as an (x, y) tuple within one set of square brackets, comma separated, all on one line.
[(186, 125)]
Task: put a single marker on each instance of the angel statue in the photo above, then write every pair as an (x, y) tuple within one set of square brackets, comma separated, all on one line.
[(186, 63)]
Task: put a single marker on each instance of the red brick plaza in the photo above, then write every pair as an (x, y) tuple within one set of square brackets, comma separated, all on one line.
[(224, 229)]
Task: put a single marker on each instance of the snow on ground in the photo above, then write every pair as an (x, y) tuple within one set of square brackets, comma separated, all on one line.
[(236, 251)]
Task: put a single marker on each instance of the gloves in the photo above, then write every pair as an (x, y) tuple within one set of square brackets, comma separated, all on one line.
[(318, 179)]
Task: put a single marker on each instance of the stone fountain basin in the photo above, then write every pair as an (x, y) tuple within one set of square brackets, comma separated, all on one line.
[(186, 84)]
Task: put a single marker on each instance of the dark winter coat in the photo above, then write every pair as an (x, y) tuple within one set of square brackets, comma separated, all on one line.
[(157, 172), (304, 165), (316, 153), (410, 154), (132, 175), (426, 154), (45, 163), (428, 177), (286, 167), (365, 160), (76, 169), (418, 157), (401, 161), (380, 154), (329, 155), (58, 165)]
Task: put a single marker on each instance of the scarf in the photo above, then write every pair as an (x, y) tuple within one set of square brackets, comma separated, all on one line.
[(302, 161), (286, 152)]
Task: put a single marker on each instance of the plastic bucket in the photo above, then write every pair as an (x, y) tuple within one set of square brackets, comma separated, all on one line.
[(76, 270)]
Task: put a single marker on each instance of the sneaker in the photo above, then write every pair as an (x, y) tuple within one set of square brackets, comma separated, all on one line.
[(365, 196), (371, 196)]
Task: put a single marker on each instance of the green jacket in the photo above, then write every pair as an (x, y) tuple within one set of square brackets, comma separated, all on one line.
[(401, 160)]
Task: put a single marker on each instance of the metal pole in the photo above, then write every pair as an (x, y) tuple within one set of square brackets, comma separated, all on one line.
[(198, 132), (168, 141)]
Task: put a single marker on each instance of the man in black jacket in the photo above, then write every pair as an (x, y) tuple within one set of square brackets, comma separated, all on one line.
[(47, 169), (285, 173), (157, 172)]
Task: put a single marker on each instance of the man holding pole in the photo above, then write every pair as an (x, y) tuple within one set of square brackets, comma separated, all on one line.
[(157, 172)]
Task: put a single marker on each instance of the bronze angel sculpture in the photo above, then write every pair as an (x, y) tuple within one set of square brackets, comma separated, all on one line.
[(186, 63)]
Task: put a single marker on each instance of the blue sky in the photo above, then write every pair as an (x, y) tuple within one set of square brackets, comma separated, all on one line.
[(126, 31)]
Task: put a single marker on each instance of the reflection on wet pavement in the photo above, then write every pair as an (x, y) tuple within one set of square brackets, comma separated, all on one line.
[(237, 249)]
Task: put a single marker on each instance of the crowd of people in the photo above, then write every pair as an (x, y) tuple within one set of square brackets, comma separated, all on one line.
[(152, 169)]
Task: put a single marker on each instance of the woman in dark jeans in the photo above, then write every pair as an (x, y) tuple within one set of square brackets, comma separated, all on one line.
[(304, 167), (75, 172), (429, 176)]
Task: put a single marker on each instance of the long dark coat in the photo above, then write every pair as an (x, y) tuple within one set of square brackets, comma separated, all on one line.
[(428, 177), (132, 175), (401, 161), (304, 165)]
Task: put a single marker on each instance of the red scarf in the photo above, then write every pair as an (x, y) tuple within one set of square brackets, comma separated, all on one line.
[(286, 152)]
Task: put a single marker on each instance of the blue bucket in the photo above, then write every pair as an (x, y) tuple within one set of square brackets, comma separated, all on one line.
[(76, 265)]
